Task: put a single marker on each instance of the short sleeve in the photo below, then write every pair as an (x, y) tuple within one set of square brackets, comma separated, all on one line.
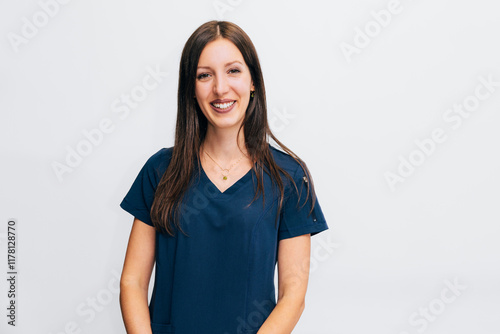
[(295, 219), (139, 199)]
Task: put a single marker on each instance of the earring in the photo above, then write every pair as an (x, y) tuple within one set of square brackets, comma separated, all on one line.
[(251, 93)]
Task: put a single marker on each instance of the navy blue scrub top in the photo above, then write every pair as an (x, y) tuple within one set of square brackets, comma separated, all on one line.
[(220, 278)]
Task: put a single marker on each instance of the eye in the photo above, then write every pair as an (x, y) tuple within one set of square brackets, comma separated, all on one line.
[(234, 70), (202, 76)]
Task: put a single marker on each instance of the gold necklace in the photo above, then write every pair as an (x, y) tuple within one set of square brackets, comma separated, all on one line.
[(225, 171)]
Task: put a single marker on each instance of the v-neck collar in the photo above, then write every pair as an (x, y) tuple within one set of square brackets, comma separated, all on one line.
[(233, 188)]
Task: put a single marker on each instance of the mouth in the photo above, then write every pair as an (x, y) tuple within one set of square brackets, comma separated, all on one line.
[(224, 106)]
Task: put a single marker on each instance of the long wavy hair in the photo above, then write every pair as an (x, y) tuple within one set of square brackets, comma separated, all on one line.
[(191, 129)]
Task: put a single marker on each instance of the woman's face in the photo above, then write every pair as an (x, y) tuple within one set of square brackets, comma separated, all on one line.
[(223, 84)]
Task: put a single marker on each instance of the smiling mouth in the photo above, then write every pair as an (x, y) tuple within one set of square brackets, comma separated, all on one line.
[(223, 105)]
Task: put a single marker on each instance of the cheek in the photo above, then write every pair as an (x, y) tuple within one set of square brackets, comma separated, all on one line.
[(201, 89), (243, 89), (197, 90)]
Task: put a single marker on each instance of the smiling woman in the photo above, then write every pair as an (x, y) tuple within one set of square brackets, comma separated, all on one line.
[(223, 84), (217, 211)]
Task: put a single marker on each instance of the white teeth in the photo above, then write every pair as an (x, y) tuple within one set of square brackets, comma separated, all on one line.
[(223, 105)]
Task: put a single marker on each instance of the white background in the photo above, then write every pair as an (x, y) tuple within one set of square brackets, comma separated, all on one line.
[(389, 251)]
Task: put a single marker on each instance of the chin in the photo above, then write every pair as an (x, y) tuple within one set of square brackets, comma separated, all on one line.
[(227, 123)]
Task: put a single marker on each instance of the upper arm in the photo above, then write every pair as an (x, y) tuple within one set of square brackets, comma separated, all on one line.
[(293, 266), (296, 218), (140, 255)]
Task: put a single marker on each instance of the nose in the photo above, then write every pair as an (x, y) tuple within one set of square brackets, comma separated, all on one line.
[(221, 86)]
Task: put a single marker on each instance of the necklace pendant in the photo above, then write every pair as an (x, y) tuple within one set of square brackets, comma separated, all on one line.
[(225, 173)]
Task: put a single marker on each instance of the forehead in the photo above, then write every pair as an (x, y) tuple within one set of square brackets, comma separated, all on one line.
[(221, 51)]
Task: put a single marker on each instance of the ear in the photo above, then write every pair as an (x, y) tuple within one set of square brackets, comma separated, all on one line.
[(252, 87)]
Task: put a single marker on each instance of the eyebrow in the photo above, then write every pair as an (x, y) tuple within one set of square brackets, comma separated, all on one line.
[(225, 65)]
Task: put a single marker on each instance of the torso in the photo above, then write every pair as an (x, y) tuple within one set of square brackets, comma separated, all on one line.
[(220, 275)]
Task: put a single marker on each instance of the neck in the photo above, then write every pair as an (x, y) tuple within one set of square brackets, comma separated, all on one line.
[(222, 144)]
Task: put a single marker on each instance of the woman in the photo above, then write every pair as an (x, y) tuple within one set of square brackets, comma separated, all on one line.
[(220, 208)]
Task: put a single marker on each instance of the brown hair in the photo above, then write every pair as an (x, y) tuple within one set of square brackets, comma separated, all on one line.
[(191, 128)]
